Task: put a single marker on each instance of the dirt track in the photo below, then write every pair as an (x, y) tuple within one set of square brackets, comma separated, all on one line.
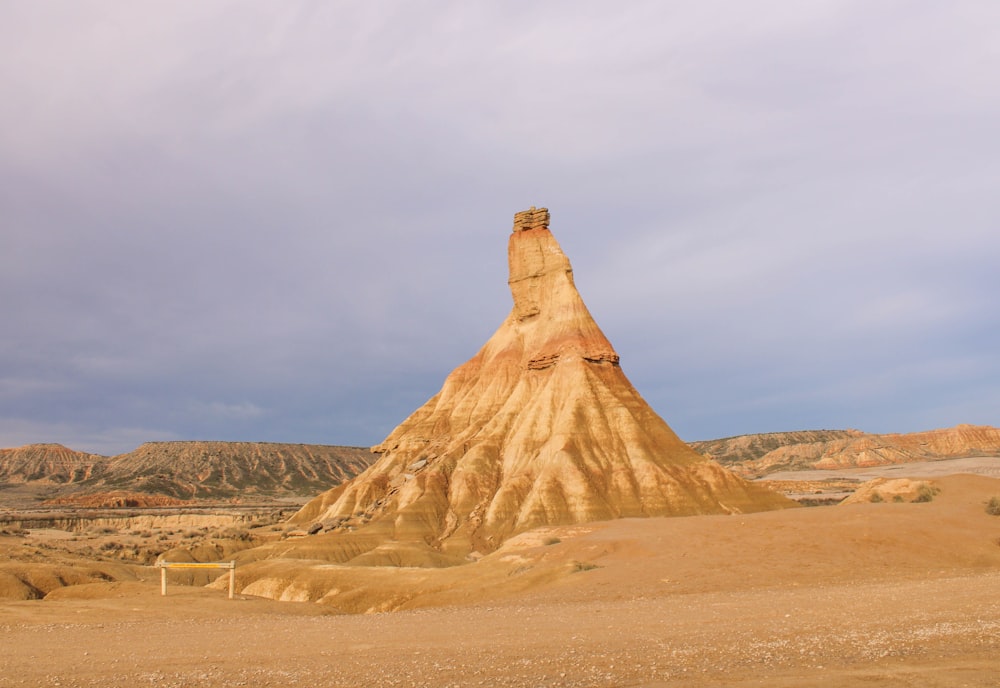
[(872, 595)]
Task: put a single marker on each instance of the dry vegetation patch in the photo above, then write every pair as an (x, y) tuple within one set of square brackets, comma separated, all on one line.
[(897, 490)]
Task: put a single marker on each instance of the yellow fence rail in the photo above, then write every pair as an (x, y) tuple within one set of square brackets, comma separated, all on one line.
[(164, 565)]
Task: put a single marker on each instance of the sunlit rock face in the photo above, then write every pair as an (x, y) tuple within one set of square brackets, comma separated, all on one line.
[(541, 427), (758, 455), (48, 463)]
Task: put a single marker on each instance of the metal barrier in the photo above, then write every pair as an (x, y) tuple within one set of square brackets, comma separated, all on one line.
[(164, 565)]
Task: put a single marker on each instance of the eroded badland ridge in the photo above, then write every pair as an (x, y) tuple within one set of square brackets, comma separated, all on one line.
[(180, 471), (48, 463), (758, 455)]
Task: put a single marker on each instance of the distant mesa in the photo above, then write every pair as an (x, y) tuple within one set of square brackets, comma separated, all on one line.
[(49, 464), (182, 471), (200, 470), (541, 427), (758, 455)]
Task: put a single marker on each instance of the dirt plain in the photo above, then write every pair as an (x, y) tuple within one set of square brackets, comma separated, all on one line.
[(881, 594)]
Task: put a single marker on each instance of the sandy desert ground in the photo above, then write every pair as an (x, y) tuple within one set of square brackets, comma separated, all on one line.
[(886, 594)]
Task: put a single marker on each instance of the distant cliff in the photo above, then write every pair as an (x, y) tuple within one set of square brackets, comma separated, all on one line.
[(187, 470), (49, 464), (757, 455)]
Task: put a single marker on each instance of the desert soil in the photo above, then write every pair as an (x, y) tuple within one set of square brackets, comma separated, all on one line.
[(864, 595)]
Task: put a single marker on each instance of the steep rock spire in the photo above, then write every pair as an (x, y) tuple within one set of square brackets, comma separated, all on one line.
[(540, 427)]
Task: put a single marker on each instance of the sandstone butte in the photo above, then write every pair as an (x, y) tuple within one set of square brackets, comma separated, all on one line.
[(541, 427)]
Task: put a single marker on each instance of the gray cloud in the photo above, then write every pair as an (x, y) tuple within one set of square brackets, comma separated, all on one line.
[(288, 221)]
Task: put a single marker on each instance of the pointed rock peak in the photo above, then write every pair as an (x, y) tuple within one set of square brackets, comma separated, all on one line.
[(549, 316), (540, 427), (539, 270)]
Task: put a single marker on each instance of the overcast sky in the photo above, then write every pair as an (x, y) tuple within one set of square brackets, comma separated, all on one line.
[(287, 221)]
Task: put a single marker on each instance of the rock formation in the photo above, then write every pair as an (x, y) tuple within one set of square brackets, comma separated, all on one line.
[(188, 470), (758, 455), (540, 427), (184, 470), (48, 464), (735, 451)]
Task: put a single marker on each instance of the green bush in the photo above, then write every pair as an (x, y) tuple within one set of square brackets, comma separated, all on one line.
[(925, 493)]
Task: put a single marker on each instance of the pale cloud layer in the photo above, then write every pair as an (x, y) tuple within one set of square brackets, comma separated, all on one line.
[(288, 221)]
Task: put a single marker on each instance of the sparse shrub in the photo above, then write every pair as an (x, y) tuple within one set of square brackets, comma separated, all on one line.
[(267, 519), (897, 498), (925, 493), (551, 541), (876, 498), (234, 534), (993, 506), (583, 566)]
